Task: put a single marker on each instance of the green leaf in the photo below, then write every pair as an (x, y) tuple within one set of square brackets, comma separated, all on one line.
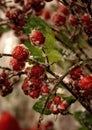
[(38, 106), (53, 55), (4, 29), (83, 128), (35, 22), (63, 36), (84, 118), (35, 52), (81, 41), (70, 99)]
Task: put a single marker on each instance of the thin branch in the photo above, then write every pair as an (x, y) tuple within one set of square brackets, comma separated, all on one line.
[(47, 60), (5, 68), (4, 54)]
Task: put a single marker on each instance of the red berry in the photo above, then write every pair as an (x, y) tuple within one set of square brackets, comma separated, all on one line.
[(34, 94), (36, 82), (37, 38), (45, 89), (49, 104), (76, 73), (63, 9), (56, 99), (46, 14), (73, 20), (26, 86), (62, 106), (86, 82), (49, 124), (16, 65), (58, 19), (37, 71), (8, 122), (54, 109), (37, 5), (28, 71), (3, 76), (7, 83), (86, 19), (20, 53)]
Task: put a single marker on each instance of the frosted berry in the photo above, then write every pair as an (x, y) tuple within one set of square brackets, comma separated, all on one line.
[(36, 82), (62, 106), (63, 9), (28, 71), (54, 109), (58, 19), (37, 71), (45, 89), (37, 38), (56, 99), (76, 73), (16, 65), (34, 93), (86, 82), (26, 86), (20, 53), (73, 20)]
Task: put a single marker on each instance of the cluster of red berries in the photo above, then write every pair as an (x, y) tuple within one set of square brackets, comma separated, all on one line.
[(20, 54), (63, 15), (17, 16), (81, 81), (57, 105), (35, 84), (59, 18)]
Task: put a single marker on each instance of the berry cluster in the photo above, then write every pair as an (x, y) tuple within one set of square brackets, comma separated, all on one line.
[(64, 16), (35, 84), (20, 54), (14, 13), (57, 105), (81, 83)]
